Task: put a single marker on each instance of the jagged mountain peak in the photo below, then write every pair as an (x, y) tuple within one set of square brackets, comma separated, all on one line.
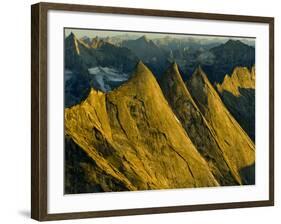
[(94, 42), (143, 38), (93, 95), (174, 66), (141, 65), (232, 42), (72, 34), (201, 89), (173, 70), (240, 71), (241, 77), (142, 71), (171, 81), (71, 37), (73, 42), (171, 78), (199, 76), (232, 47), (142, 80), (174, 87)]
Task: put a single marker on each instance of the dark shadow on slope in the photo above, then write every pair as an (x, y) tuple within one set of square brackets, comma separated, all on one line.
[(83, 175), (242, 108), (248, 174)]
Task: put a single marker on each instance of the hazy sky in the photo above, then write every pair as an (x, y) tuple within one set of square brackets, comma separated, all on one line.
[(104, 33)]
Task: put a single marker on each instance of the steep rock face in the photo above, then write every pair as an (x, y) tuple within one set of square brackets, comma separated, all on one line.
[(87, 128), (238, 94), (235, 143), (196, 126), (84, 175), (133, 136)]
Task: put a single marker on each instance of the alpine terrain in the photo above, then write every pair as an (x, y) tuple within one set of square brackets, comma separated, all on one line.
[(147, 111), (130, 139)]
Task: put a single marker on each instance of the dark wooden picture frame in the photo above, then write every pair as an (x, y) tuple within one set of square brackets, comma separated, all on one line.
[(39, 106)]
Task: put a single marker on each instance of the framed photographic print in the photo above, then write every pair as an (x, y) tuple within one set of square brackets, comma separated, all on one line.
[(139, 111)]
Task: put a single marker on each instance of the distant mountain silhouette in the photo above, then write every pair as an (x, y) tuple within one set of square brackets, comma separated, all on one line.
[(155, 57), (228, 56)]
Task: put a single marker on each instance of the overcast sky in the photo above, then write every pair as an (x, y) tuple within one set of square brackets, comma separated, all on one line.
[(104, 33)]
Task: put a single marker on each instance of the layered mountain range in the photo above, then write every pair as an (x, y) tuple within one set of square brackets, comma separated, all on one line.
[(164, 133), (94, 55), (106, 63)]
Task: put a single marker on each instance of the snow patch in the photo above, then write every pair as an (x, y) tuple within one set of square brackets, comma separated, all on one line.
[(107, 77)]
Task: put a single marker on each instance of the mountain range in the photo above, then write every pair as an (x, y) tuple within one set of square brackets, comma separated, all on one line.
[(93, 62), (81, 56), (161, 113), (153, 133), (232, 54)]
